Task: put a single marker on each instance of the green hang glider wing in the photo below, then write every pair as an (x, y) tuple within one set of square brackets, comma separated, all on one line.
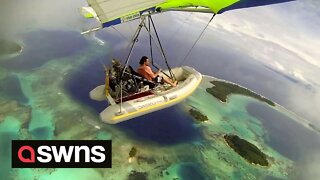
[(112, 12), (214, 5)]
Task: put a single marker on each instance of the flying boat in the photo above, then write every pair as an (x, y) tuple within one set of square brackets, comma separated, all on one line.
[(128, 93)]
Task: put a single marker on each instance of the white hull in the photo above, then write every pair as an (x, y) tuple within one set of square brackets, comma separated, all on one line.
[(189, 79)]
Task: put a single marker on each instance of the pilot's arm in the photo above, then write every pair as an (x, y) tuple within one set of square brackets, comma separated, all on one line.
[(151, 73)]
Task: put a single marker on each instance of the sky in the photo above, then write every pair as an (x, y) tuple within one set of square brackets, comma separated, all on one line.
[(272, 49)]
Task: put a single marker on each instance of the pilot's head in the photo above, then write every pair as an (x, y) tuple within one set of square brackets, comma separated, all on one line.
[(144, 61)]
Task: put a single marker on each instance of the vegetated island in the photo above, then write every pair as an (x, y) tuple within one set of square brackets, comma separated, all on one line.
[(222, 90), (198, 115), (9, 47), (135, 175), (246, 150)]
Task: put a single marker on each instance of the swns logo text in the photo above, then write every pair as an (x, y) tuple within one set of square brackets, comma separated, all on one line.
[(61, 154)]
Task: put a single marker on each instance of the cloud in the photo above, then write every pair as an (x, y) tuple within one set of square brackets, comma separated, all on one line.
[(304, 103), (310, 167)]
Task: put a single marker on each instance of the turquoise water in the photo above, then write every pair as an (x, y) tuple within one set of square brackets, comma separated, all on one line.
[(52, 103)]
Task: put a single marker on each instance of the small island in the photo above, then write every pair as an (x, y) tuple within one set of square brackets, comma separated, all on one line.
[(222, 90), (133, 152), (135, 175), (198, 115), (246, 150), (8, 47)]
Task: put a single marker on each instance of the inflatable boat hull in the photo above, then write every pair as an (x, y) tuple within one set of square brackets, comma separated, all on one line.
[(189, 80)]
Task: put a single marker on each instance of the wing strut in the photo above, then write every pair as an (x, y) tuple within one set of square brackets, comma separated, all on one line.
[(134, 40), (161, 48)]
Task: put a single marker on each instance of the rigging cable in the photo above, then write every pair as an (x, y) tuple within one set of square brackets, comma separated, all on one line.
[(127, 47), (120, 34), (162, 51), (185, 58), (134, 40), (185, 21), (150, 38), (154, 64)]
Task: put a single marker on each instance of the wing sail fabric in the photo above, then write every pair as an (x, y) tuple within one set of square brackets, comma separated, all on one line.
[(112, 12), (218, 6), (252, 3), (214, 5), (88, 12)]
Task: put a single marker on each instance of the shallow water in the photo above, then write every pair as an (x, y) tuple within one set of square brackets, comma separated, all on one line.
[(284, 134), (11, 89)]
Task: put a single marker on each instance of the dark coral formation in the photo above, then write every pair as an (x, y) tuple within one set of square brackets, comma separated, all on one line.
[(246, 150), (135, 175), (14, 109), (133, 152), (148, 160), (198, 115), (221, 90)]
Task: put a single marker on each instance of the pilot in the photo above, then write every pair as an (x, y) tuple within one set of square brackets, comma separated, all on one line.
[(145, 71)]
